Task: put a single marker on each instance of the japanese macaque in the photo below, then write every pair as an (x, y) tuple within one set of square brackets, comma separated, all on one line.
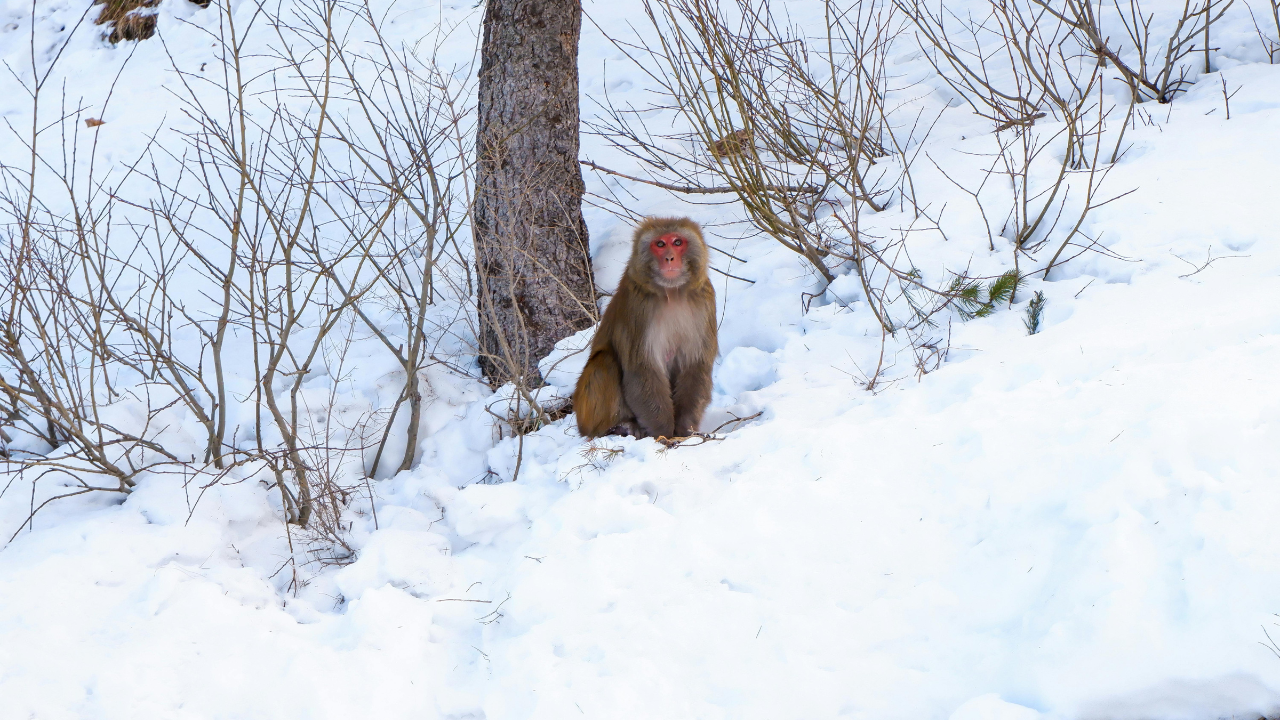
[(649, 373)]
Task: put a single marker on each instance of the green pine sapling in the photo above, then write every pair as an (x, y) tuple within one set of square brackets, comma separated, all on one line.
[(1034, 309)]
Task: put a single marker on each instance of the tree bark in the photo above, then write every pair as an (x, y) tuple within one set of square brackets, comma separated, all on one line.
[(532, 259)]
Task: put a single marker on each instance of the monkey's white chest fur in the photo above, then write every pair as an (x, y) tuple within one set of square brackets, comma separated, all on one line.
[(675, 332)]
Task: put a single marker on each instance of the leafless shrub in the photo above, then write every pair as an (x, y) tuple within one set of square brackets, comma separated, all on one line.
[(765, 121), (878, 379), (61, 350), (402, 189), (797, 125), (929, 351), (794, 124), (313, 200), (338, 434), (69, 305), (250, 220), (345, 188), (1149, 74), (1269, 37), (1016, 66)]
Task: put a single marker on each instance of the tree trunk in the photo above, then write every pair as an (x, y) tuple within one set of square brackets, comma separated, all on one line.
[(532, 260)]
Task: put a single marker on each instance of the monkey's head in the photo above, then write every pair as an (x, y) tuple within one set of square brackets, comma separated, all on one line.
[(668, 253)]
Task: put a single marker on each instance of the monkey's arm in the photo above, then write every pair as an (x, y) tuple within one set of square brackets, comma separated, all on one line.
[(691, 394), (692, 382), (647, 392)]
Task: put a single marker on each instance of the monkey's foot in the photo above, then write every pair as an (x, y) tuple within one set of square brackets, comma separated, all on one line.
[(625, 429)]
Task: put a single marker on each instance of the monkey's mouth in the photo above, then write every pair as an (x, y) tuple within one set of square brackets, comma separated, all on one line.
[(670, 271)]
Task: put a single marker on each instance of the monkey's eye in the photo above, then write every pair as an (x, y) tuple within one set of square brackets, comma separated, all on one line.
[(660, 244), (678, 242)]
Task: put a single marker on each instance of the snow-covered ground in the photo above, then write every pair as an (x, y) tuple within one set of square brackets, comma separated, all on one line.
[(1075, 524)]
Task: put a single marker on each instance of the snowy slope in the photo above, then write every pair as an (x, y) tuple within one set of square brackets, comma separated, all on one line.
[(1074, 524)]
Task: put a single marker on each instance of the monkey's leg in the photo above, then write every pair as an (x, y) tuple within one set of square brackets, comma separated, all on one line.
[(690, 395), (647, 393)]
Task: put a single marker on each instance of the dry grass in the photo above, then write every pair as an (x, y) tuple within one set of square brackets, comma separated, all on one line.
[(733, 144), (128, 19)]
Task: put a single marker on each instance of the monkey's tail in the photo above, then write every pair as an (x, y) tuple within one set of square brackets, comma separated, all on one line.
[(597, 399)]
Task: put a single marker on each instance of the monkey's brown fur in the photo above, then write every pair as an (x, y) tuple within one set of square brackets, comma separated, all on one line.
[(650, 363)]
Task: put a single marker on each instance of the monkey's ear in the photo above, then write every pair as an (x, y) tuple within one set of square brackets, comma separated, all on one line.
[(638, 237), (693, 229)]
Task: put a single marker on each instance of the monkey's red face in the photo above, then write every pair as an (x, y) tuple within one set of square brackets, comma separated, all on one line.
[(668, 251)]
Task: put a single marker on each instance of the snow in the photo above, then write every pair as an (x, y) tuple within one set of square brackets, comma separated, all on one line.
[(1074, 524)]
